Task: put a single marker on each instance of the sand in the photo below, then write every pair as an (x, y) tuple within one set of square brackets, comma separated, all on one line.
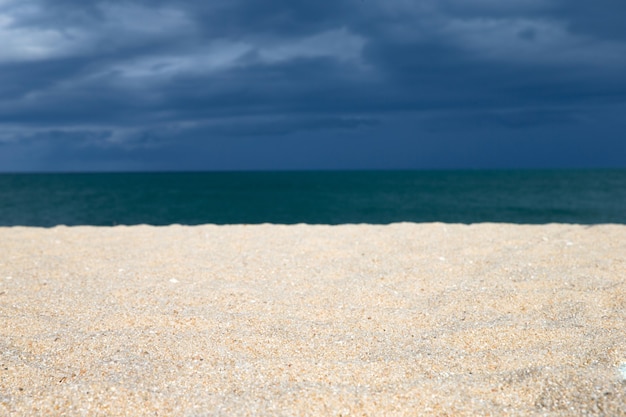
[(353, 320)]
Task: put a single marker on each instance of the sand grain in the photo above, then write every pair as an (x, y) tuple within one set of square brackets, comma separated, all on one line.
[(405, 319)]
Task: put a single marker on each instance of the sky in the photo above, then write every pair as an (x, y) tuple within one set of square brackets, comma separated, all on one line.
[(153, 85)]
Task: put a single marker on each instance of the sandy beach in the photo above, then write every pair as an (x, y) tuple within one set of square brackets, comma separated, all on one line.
[(353, 320)]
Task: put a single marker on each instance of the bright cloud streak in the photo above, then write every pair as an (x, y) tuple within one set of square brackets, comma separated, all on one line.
[(31, 44), (120, 26), (217, 56), (339, 44), (220, 55)]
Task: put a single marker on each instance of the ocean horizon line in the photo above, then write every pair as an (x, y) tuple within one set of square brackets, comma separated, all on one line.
[(323, 170)]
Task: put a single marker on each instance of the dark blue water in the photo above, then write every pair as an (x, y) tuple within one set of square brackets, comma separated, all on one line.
[(529, 197)]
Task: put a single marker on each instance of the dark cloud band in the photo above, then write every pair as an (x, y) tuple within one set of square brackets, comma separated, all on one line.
[(156, 72)]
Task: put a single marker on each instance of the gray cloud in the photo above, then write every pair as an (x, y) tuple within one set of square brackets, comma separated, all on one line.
[(114, 78)]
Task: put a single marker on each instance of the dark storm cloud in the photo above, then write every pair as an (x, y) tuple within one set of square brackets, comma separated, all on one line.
[(113, 77)]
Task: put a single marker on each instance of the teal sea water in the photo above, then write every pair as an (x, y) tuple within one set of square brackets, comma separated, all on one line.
[(105, 199)]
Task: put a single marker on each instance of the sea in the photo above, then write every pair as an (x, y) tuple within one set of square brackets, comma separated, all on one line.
[(317, 197)]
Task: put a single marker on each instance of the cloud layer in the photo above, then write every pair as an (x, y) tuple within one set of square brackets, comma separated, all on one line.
[(182, 84)]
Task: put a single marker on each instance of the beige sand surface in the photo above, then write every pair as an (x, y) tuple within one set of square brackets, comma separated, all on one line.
[(405, 319)]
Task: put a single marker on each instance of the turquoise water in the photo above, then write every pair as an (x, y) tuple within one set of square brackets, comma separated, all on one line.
[(528, 197)]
